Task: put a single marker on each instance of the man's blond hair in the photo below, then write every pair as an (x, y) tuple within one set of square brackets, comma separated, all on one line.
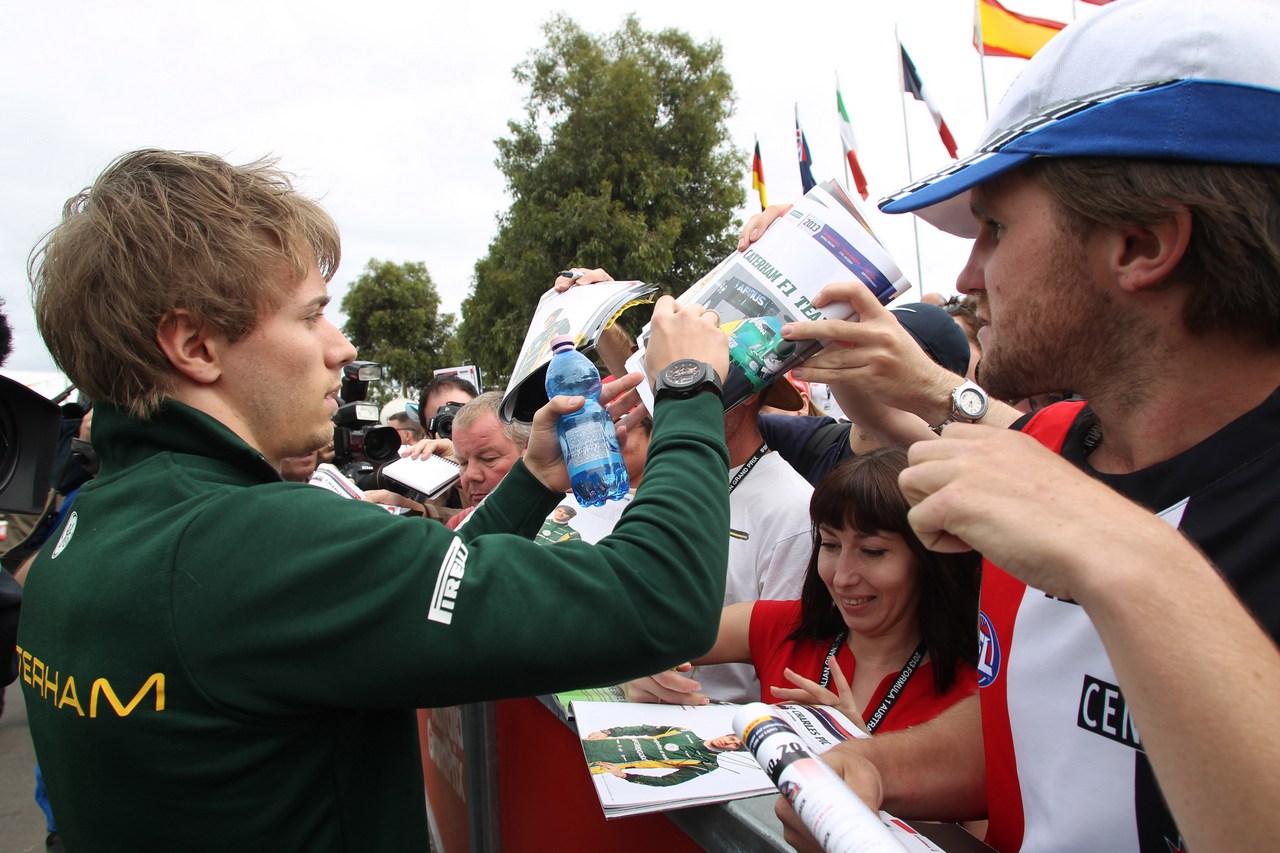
[(161, 231)]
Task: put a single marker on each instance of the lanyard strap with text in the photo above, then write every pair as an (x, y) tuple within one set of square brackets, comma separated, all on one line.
[(747, 466), (895, 689)]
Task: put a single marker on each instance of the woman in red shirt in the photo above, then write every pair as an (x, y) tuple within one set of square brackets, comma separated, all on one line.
[(899, 622)]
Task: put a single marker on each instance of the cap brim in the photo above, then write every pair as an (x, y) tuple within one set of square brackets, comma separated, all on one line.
[(942, 199)]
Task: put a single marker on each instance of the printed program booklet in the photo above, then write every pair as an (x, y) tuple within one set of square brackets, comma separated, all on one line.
[(822, 239), (582, 312)]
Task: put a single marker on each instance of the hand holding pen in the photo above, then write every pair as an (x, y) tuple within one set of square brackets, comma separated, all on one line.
[(567, 278)]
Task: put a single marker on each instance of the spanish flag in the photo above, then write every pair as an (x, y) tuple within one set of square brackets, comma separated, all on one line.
[(999, 32), (757, 176)]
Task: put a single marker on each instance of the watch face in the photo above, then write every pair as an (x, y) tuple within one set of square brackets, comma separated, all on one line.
[(682, 373), (971, 403)]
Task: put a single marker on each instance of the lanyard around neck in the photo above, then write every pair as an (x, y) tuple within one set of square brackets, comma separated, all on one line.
[(747, 466), (895, 689)]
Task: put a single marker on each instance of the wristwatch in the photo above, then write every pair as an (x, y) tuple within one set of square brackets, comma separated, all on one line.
[(686, 377), (968, 403)]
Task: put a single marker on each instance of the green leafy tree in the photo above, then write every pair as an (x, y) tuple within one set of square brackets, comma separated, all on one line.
[(622, 161), (393, 318)]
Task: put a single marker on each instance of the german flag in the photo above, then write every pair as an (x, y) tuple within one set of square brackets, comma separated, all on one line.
[(757, 176)]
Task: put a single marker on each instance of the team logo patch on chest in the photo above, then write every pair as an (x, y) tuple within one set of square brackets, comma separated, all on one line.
[(65, 538)]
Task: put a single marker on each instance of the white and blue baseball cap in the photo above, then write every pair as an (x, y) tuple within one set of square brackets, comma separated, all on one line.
[(1182, 80)]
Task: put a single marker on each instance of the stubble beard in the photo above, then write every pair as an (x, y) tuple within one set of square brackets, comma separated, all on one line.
[(1083, 342), (1053, 337)]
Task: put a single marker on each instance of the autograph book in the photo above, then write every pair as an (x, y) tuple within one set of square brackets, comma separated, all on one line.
[(645, 758)]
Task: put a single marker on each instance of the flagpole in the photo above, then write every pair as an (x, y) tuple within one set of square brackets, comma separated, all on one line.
[(799, 143), (982, 58), (906, 132)]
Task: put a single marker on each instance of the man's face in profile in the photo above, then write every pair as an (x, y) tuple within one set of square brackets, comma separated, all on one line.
[(279, 384)]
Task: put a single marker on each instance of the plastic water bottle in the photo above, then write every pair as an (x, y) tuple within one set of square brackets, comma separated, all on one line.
[(588, 439)]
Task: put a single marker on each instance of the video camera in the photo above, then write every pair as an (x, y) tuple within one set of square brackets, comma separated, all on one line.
[(30, 436), (28, 444), (359, 442)]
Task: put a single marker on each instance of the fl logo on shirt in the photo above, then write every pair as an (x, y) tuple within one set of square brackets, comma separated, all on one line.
[(988, 652)]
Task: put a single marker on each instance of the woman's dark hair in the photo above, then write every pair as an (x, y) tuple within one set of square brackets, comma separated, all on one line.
[(863, 493)]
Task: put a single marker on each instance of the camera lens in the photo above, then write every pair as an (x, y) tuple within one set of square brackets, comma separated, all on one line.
[(441, 423), (381, 444)]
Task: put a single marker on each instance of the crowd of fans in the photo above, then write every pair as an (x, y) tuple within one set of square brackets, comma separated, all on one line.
[(1033, 553)]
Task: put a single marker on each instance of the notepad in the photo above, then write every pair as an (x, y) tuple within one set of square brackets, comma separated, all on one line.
[(430, 475)]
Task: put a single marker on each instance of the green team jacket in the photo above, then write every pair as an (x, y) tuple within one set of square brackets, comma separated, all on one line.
[(214, 659), (630, 747)]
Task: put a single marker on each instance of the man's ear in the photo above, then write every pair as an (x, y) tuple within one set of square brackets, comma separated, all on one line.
[(191, 345), (1145, 257)]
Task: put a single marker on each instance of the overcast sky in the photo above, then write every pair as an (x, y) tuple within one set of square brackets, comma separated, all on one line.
[(388, 111)]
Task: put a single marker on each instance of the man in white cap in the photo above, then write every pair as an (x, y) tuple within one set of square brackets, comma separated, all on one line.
[(1125, 205)]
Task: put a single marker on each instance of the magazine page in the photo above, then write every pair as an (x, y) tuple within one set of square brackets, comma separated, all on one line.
[(821, 240), (564, 701), (570, 521), (645, 757), (583, 312)]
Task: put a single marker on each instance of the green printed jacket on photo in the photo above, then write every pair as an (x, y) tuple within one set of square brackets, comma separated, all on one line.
[(633, 747), (553, 532), (214, 659)]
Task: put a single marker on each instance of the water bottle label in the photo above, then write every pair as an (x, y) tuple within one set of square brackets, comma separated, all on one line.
[(585, 443)]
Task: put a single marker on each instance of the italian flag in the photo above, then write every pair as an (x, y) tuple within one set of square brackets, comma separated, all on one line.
[(850, 146)]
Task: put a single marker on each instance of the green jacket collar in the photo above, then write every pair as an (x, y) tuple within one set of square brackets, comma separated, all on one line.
[(122, 440)]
